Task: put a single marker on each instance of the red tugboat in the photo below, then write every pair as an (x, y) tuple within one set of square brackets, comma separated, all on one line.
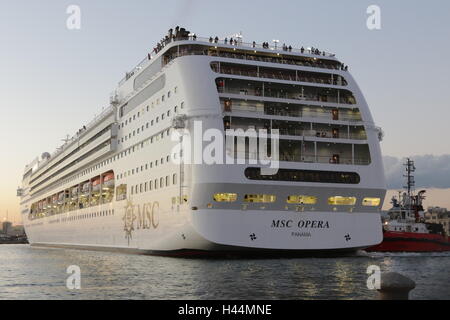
[(405, 229)]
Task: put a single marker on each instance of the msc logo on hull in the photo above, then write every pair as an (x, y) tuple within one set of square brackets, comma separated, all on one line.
[(144, 216)]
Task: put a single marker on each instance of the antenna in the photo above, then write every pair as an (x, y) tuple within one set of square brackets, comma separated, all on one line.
[(410, 183), (66, 139)]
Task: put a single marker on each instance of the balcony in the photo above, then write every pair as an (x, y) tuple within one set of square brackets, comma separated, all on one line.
[(284, 91), (278, 74), (302, 129), (258, 108)]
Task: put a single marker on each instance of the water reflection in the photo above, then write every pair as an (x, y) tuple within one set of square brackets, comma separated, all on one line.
[(32, 273)]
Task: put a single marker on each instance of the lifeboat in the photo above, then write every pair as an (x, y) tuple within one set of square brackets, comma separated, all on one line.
[(96, 183), (108, 180), (86, 187), (74, 191)]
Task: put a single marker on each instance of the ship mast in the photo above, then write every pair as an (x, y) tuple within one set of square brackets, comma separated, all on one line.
[(410, 183)]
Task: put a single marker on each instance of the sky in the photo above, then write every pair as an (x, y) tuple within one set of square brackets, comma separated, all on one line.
[(54, 79)]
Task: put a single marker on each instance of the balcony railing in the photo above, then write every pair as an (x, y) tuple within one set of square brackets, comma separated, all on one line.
[(278, 76), (324, 114), (279, 94), (325, 134), (311, 114), (284, 156)]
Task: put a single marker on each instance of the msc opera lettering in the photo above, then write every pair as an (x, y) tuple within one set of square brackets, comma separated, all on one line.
[(302, 224)]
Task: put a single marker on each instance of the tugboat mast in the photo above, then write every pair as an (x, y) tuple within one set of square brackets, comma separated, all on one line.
[(410, 183)]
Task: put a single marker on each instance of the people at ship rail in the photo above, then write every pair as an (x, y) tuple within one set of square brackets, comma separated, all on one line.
[(225, 40), (231, 41), (194, 37), (211, 39), (290, 48), (254, 44), (216, 39), (302, 50)]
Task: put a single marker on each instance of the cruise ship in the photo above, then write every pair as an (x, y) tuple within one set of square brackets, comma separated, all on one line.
[(116, 184)]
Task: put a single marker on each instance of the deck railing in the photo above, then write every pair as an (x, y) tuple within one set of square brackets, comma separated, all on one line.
[(308, 52)]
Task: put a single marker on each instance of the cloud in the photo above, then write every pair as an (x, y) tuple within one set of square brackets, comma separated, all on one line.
[(431, 171)]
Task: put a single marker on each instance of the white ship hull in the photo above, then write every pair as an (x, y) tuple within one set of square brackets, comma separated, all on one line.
[(211, 231)]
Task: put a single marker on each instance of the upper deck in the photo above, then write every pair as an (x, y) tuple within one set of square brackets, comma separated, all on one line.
[(183, 43)]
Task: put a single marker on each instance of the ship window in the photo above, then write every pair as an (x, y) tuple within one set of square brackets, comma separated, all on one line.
[(161, 182), (225, 197), (174, 179), (342, 201), (260, 198), (304, 176), (371, 202), (121, 192), (302, 199)]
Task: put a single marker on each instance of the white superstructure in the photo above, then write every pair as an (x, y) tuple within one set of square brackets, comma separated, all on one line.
[(113, 186)]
